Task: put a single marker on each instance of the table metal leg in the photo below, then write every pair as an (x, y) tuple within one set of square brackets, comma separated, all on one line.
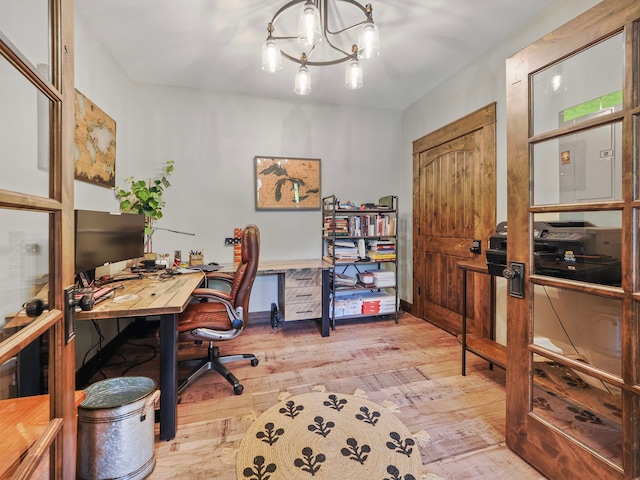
[(325, 303), (464, 322), (168, 376)]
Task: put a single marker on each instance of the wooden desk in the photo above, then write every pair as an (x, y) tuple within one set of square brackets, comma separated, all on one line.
[(154, 296), (483, 347), (295, 269)]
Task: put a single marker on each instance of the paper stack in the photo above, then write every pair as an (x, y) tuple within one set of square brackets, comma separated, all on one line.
[(378, 303), (383, 278), (343, 251), (348, 305), (341, 280)]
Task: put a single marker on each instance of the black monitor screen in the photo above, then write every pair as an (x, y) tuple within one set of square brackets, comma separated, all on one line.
[(104, 237)]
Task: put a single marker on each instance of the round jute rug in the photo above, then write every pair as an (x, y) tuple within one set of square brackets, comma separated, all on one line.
[(323, 436)]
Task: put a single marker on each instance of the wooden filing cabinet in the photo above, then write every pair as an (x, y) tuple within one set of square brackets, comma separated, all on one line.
[(300, 294)]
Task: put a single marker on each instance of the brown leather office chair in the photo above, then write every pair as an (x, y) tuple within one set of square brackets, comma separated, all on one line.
[(222, 315)]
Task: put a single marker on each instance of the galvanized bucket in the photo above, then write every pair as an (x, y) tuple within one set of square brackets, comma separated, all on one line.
[(116, 429)]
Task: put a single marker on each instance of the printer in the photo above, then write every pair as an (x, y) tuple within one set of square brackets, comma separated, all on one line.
[(575, 250)]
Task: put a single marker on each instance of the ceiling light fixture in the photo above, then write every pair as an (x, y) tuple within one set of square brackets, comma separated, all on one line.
[(321, 38)]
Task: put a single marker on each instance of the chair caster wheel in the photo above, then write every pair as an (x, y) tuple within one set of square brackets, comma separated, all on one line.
[(238, 389), (254, 362)]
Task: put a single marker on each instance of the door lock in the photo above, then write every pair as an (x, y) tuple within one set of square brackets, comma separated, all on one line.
[(476, 247), (514, 273)]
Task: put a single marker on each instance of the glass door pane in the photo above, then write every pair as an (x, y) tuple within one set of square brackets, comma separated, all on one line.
[(580, 167), (24, 134), (25, 24), (574, 90)]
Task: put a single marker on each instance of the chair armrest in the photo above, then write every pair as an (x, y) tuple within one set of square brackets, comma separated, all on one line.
[(222, 276), (211, 294), (235, 316)]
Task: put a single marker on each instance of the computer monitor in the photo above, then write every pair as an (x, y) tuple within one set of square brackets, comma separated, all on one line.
[(104, 237)]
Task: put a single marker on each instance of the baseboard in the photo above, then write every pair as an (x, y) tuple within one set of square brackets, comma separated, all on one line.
[(406, 306), (259, 317)]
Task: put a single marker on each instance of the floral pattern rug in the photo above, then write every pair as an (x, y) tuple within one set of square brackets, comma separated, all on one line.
[(324, 435)]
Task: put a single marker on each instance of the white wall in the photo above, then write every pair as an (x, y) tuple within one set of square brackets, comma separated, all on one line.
[(478, 84), (213, 139)]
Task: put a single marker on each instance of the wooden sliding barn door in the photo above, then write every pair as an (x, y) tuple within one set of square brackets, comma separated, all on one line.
[(454, 197)]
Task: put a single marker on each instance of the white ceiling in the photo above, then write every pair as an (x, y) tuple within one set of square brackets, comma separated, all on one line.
[(215, 45)]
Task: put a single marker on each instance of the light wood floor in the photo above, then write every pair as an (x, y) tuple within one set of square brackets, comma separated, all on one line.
[(413, 364)]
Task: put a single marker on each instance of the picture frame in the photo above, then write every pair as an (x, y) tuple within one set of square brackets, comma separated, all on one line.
[(95, 142), (287, 183)]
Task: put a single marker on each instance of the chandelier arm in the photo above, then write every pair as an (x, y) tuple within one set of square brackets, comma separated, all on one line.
[(322, 5), (351, 2), (315, 64), (325, 26)]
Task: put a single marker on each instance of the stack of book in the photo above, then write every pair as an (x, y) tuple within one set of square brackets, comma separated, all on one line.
[(348, 305), (341, 280), (383, 278), (338, 227), (378, 303), (380, 250), (343, 250)]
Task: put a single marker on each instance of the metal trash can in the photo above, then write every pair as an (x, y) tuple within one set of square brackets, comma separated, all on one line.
[(116, 429)]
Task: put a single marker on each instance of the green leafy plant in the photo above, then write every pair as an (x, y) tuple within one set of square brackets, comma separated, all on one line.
[(146, 197)]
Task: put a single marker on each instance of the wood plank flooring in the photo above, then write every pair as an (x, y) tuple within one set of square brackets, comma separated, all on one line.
[(413, 364)]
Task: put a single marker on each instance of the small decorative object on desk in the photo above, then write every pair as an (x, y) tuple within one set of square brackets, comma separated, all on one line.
[(196, 258), (237, 247)]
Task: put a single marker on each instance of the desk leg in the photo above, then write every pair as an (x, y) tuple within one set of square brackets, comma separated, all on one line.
[(464, 322), (168, 376), (492, 313), (325, 303)]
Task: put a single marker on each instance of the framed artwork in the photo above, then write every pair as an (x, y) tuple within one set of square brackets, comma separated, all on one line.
[(95, 143), (287, 183)]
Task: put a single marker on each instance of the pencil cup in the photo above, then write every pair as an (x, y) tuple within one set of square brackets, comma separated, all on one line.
[(196, 259)]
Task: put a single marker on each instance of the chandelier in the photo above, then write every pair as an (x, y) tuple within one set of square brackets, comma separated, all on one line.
[(315, 29)]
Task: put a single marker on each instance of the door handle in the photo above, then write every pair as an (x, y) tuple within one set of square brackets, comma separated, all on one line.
[(514, 273)]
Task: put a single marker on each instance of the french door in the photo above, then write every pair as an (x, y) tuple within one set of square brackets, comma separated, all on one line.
[(573, 342), (36, 238)]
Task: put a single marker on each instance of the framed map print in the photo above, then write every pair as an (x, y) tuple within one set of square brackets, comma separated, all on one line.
[(95, 143), (287, 183)]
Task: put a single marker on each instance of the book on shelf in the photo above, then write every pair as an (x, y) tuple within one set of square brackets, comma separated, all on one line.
[(380, 245), (377, 256), (341, 280)]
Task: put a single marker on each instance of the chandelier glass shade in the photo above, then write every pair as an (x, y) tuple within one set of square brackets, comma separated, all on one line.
[(321, 39)]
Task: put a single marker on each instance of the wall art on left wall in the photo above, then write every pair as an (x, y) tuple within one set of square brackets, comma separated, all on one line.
[(95, 143)]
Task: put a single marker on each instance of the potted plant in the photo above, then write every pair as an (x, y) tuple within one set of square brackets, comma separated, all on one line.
[(146, 197)]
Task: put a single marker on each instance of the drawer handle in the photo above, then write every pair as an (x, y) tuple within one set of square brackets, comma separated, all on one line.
[(304, 311), (304, 295)]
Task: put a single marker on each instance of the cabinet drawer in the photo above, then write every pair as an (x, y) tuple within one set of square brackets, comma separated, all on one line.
[(303, 277), (302, 311), (303, 295)]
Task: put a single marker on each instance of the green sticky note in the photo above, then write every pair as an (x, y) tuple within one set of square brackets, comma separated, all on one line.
[(582, 109), (612, 99)]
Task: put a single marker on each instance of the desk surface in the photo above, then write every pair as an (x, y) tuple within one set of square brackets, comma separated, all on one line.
[(151, 296), (281, 266)]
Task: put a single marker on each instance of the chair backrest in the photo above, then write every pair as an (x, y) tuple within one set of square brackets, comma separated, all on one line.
[(247, 269)]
